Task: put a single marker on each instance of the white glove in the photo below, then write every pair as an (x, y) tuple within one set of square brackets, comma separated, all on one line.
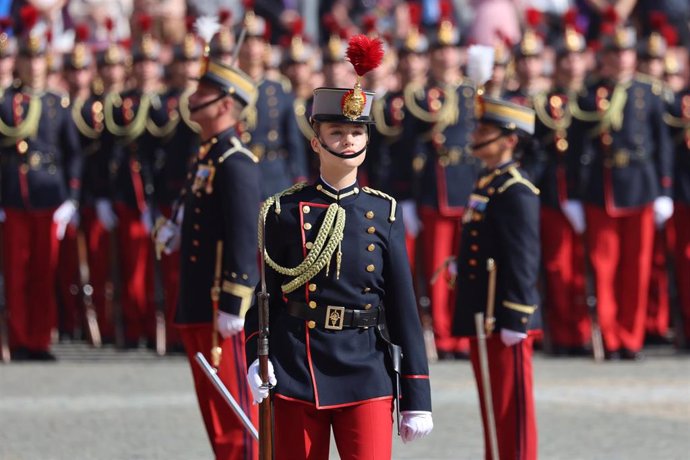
[(169, 237), (106, 215), (229, 324), (415, 424), (410, 219), (510, 338), (147, 220), (663, 210), (575, 214), (3, 216), (254, 380), (62, 216)]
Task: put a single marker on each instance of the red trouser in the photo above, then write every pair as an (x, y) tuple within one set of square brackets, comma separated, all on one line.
[(658, 303), (620, 250), (564, 263), (362, 431), (510, 371), (440, 240), (170, 271), (681, 219), (98, 248), (136, 271), (68, 283), (229, 439), (30, 257)]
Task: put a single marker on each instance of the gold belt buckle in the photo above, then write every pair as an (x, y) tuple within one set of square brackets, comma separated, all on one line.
[(335, 317)]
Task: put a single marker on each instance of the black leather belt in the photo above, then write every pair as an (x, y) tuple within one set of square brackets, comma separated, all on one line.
[(335, 318)]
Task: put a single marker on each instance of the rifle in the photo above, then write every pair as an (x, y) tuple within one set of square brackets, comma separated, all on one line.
[(87, 291), (591, 293), (424, 305), (480, 324), (266, 406), (159, 290), (4, 337)]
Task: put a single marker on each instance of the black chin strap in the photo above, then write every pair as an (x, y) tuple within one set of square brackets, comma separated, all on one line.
[(341, 155), (485, 143), (196, 108)]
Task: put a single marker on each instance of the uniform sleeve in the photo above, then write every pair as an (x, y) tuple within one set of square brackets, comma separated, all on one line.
[(74, 160), (663, 147), (297, 157), (239, 187), (403, 321), (517, 228)]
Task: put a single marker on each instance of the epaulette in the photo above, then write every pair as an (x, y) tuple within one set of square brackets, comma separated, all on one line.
[(285, 83), (62, 97), (276, 198), (656, 84), (237, 147), (385, 196), (517, 178)]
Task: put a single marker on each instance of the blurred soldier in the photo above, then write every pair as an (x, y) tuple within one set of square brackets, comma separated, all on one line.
[(78, 75), (270, 128), (8, 52), (651, 53), (502, 59), (562, 220), (40, 176), (447, 172), (626, 187), (112, 63), (397, 131), (223, 41), (529, 63), (678, 120), (136, 121), (221, 202), (173, 160), (501, 225)]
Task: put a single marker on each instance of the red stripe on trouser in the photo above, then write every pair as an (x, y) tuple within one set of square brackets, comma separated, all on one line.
[(98, 247), (68, 283), (620, 250), (136, 274), (410, 245), (681, 219), (30, 260), (658, 306), (229, 440), (564, 266), (510, 370), (362, 432), (170, 270), (440, 240)]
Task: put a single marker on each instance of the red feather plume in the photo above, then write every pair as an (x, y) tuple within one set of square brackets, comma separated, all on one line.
[(657, 20), (248, 4), (670, 34), (5, 23), (298, 27), (533, 17), (189, 24), (224, 15), (29, 16), (415, 12), (364, 53), (570, 17), (109, 24), (446, 9), (611, 15), (369, 24), (82, 33), (607, 28), (145, 22)]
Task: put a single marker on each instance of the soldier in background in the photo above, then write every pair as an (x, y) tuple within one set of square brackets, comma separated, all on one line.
[(8, 52), (269, 128), (529, 64), (447, 173), (223, 41), (562, 218), (501, 223), (40, 172), (496, 86), (626, 187)]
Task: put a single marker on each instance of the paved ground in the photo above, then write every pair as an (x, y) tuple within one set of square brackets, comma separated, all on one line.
[(134, 406)]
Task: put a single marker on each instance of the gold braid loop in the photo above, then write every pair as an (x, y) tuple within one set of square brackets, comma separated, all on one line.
[(186, 114), (80, 122), (26, 128), (385, 196), (166, 129), (574, 108), (410, 98), (382, 127), (676, 122), (540, 101), (133, 129)]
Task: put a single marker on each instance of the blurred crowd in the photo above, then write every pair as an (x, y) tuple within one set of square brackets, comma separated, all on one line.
[(105, 60)]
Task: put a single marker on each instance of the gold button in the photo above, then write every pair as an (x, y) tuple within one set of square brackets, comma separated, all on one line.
[(245, 138), (309, 245), (196, 227), (311, 324), (369, 215), (195, 243), (312, 287), (606, 139), (233, 274), (370, 268), (197, 210), (307, 226), (371, 230), (474, 248), (193, 258), (473, 276), (473, 262), (306, 209), (367, 289), (22, 147), (474, 232), (312, 304), (245, 276), (367, 306), (524, 320), (371, 247)]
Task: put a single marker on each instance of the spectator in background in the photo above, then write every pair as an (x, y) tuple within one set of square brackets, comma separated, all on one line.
[(677, 14), (593, 12), (494, 18)]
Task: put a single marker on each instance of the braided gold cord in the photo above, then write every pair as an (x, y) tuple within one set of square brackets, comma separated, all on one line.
[(133, 129), (26, 128)]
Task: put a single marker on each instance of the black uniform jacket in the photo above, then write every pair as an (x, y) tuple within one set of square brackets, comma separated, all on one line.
[(40, 156), (332, 368), (87, 116), (678, 120), (501, 222), (221, 203)]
